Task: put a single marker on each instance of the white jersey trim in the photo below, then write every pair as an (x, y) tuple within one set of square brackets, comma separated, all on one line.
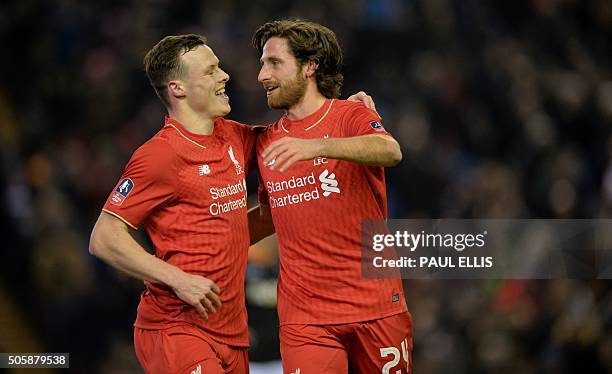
[(321, 119), (183, 135), (314, 124), (121, 218)]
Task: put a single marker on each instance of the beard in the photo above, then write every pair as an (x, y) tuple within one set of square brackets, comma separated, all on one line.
[(289, 93)]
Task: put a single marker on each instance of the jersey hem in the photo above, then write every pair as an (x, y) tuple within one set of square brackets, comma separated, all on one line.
[(217, 339), (345, 321)]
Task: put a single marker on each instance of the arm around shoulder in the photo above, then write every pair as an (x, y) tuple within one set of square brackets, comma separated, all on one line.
[(373, 149)]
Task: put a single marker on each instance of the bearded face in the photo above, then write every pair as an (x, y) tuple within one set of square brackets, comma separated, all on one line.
[(282, 75), (288, 92)]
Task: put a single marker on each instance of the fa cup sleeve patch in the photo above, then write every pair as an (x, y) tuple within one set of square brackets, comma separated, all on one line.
[(122, 191), (377, 126)]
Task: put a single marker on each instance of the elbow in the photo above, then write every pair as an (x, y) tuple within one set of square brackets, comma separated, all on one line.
[(95, 244), (106, 236), (395, 154), (98, 243)]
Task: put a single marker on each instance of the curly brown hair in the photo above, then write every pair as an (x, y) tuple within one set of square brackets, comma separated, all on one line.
[(162, 63), (308, 41)]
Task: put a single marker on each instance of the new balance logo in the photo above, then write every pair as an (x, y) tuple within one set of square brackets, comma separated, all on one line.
[(235, 161), (198, 370), (297, 371), (329, 183), (203, 170)]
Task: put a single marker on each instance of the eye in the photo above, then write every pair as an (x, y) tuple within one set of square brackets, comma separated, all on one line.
[(212, 70), (273, 62)]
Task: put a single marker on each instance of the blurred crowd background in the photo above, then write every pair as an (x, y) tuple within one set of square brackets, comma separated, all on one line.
[(503, 110)]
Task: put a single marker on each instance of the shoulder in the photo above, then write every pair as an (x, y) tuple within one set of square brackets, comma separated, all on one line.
[(156, 154), (348, 109), (271, 128), (230, 124), (158, 144), (236, 128)]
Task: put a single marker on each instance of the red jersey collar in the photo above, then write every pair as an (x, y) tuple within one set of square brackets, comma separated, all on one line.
[(198, 139), (309, 121)]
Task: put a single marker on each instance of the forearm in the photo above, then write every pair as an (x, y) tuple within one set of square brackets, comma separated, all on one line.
[(260, 223), (113, 244), (380, 150)]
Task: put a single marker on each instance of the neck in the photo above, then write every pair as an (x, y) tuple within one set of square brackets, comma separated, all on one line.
[(310, 103), (193, 122)]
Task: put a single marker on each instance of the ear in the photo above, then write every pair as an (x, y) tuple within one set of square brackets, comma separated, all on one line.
[(311, 68), (176, 89)]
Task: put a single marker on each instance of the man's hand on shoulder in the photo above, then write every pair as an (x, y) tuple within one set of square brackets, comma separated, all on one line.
[(365, 99)]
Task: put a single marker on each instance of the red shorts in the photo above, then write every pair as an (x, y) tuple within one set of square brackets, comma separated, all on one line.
[(187, 349), (379, 346)]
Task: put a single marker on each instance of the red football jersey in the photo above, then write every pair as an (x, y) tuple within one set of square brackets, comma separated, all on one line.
[(189, 192), (317, 208)]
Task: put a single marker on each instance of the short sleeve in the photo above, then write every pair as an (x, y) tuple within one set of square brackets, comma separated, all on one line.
[(359, 120), (147, 183)]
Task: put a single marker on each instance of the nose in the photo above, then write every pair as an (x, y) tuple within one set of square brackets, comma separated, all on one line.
[(264, 73), (224, 76)]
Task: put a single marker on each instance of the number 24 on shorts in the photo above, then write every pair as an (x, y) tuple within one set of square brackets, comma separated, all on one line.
[(384, 352)]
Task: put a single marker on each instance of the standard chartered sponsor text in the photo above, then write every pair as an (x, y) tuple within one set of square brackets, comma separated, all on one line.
[(290, 198), (294, 182), (219, 207)]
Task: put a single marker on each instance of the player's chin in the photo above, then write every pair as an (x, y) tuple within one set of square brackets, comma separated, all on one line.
[(275, 103), (225, 110)]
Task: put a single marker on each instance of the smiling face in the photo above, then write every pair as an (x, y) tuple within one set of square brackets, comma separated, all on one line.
[(282, 77), (204, 83)]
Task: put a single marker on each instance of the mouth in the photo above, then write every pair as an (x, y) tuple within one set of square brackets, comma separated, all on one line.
[(221, 93), (270, 90)]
